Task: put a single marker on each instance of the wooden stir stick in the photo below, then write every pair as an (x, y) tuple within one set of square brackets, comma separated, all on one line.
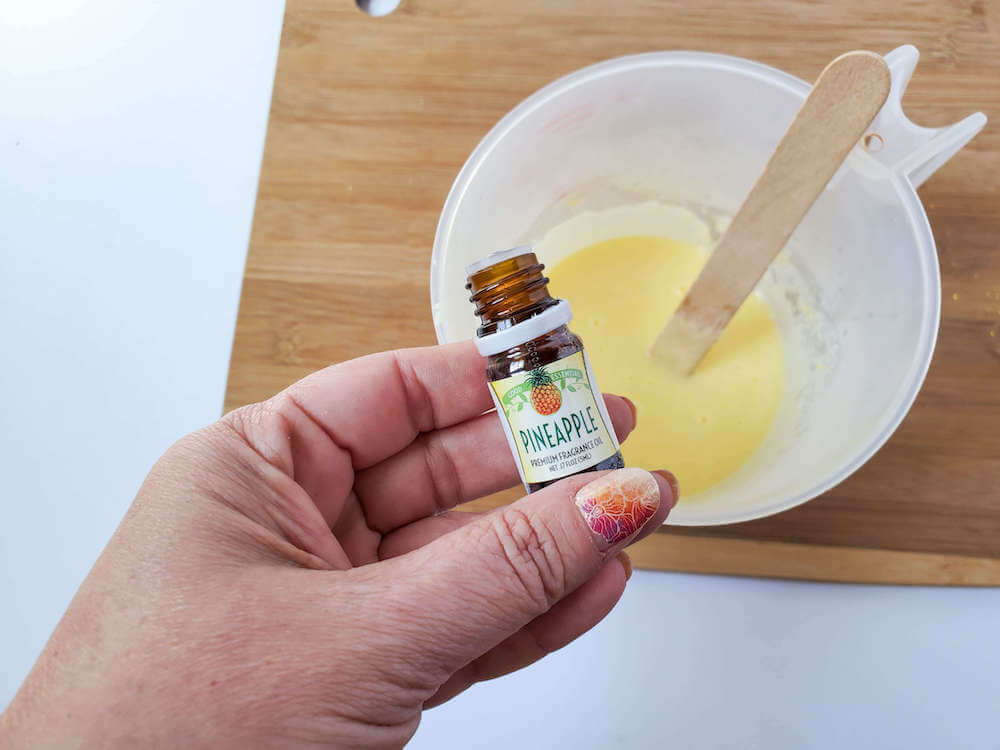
[(847, 96)]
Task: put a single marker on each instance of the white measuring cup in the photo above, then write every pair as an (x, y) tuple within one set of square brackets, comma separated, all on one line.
[(856, 293)]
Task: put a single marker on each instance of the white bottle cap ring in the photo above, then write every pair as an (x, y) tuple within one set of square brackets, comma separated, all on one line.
[(547, 320)]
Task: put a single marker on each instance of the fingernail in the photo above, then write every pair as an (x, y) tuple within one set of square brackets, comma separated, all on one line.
[(632, 408), (618, 504), (675, 486), (626, 562)]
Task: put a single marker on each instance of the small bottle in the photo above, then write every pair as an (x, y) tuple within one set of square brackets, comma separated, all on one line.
[(552, 412)]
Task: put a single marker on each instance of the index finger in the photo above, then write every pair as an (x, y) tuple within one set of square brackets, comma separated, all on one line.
[(375, 406)]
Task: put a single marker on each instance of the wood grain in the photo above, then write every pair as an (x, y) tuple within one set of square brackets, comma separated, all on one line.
[(372, 118)]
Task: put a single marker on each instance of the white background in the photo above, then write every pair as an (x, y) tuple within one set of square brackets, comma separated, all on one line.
[(130, 140)]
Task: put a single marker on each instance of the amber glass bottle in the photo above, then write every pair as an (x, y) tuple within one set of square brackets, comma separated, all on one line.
[(552, 412)]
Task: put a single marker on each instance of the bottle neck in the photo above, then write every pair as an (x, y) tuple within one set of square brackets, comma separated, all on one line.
[(509, 292)]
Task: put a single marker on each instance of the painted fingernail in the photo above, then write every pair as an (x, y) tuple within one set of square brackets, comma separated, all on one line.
[(633, 409), (675, 486), (626, 562), (618, 504)]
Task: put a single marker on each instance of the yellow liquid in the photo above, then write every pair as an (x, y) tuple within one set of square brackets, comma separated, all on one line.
[(703, 427)]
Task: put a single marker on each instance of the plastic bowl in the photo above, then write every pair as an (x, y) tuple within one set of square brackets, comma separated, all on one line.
[(856, 292)]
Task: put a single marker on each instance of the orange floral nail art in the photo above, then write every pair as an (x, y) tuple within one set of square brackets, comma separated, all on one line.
[(618, 504)]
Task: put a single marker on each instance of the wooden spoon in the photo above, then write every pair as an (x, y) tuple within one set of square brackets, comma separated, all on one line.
[(848, 94)]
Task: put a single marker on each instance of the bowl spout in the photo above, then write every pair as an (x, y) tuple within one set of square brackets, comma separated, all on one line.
[(907, 149)]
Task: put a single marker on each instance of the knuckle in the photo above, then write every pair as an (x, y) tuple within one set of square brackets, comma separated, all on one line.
[(420, 405), (245, 418), (531, 556), (265, 428), (248, 421), (443, 472)]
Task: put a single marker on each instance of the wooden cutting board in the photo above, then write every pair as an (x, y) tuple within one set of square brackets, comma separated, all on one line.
[(373, 117)]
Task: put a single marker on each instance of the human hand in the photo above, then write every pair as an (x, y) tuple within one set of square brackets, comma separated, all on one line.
[(292, 575)]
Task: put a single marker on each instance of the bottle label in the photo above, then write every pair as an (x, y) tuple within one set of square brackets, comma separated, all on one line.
[(555, 419)]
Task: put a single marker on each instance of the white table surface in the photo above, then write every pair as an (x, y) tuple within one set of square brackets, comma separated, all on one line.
[(130, 140)]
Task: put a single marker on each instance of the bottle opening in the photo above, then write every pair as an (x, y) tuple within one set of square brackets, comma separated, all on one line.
[(508, 287)]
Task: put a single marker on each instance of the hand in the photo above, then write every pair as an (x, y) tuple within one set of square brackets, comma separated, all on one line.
[(292, 574)]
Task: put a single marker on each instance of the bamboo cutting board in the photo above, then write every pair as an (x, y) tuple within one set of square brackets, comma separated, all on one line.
[(372, 118)]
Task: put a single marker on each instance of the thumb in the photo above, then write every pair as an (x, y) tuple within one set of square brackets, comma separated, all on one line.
[(472, 588)]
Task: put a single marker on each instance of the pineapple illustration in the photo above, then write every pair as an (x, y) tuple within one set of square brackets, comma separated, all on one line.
[(545, 396)]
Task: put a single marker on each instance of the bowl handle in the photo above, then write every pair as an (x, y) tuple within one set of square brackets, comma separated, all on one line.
[(907, 149)]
